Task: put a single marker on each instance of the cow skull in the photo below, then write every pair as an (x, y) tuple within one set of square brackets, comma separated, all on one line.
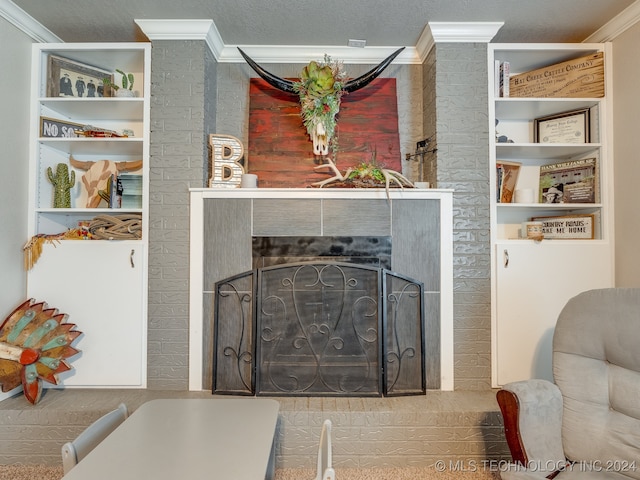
[(320, 88), (320, 140)]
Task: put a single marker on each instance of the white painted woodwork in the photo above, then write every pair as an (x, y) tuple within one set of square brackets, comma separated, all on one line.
[(532, 290), (101, 284), (528, 294), (196, 275)]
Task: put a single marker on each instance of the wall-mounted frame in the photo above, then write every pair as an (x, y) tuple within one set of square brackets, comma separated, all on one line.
[(54, 128), (68, 78), (568, 227), (565, 127)]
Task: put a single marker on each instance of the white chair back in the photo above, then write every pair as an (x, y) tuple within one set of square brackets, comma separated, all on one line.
[(325, 469), (76, 450)]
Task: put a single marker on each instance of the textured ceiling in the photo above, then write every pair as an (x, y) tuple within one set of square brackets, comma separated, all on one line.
[(327, 22)]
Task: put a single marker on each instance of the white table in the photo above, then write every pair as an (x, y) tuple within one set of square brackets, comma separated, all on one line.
[(187, 438)]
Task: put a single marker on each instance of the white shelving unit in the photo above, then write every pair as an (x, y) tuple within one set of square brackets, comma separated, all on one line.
[(101, 284), (532, 280)]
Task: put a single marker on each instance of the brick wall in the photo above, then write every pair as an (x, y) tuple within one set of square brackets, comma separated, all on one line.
[(183, 88), (463, 164)]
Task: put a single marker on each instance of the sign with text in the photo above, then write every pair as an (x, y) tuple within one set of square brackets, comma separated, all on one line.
[(52, 128), (567, 227)]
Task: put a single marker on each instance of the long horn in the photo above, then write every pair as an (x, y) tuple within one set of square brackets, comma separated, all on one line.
[(270, 78), (350, 86), (367, 78)]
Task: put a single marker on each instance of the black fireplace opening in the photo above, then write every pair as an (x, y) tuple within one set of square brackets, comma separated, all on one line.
[(319, 327), (363, 250)]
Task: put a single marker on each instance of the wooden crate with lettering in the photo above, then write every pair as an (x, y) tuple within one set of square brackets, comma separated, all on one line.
[(581, 77)]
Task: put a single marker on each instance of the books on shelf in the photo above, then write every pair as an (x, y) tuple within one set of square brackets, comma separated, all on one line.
[(573, 181), (506, 177), (131, 190), (115, 192), (502, 75)]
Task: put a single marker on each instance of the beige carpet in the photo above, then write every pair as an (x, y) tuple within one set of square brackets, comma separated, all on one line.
[(405, 473), (30, 472), (41, 472)]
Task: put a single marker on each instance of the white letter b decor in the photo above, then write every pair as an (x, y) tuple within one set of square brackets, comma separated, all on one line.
[(226, 152)]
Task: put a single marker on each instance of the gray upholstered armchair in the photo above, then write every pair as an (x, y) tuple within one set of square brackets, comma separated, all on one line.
[(587, 423)]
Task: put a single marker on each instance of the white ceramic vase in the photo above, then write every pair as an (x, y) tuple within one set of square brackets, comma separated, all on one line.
[(123, 92)]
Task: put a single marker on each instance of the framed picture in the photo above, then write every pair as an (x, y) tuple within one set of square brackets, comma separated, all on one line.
[(566, 127), (54, 128), (68, 78), (569, 227)]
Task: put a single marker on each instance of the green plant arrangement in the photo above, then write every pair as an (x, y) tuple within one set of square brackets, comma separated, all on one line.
[(320, 89), (127, 81)]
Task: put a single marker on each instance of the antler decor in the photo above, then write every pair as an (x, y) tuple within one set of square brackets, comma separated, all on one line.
[(365, 175), (34, 345)]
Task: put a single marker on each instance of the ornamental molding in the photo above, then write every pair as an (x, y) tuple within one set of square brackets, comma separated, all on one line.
[(27, 24), (468, 32), (617, 25)]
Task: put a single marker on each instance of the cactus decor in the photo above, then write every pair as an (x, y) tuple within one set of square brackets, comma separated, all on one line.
[(62, 183), (127, 84)]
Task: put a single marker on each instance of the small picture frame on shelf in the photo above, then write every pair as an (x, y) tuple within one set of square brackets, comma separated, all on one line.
[(69, 78), (565, 127), (567, 227)]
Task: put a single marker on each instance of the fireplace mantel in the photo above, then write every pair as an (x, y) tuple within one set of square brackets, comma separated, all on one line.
[(345, 193), (198, 197)]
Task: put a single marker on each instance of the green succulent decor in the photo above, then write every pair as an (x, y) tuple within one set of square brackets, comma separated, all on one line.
[(368, 171), (320, 89)]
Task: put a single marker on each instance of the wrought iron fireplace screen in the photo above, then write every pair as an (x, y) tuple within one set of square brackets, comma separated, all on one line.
[(319, 329)]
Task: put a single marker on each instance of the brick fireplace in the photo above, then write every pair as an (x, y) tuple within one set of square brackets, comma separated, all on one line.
[(224, 223)]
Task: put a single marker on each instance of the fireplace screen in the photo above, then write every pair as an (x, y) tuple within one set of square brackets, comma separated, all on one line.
[(319, 329)]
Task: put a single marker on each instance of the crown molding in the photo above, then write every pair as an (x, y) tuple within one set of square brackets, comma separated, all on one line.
[(617, 25), (455, 32), (196, 29), (464, 32), (26, 23), (207, 31), (303, 53)]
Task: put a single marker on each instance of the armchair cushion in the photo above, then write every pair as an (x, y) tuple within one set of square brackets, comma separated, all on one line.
[(596, 367)]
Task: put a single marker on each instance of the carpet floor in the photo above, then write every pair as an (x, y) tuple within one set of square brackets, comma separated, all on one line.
[(42, 472)]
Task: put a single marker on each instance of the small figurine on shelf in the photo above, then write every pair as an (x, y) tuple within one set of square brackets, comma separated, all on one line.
[(63, 183)]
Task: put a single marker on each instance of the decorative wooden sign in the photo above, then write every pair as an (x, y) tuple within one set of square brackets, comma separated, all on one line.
[(568, 226), (281, 153), (577, 78), (35, 345), (225, 155), (51, 127)]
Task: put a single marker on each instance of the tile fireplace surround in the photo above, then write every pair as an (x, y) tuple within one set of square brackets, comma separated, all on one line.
[(419, 221)]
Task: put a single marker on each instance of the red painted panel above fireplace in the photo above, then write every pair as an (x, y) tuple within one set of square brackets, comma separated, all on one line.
[(281, 153)]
